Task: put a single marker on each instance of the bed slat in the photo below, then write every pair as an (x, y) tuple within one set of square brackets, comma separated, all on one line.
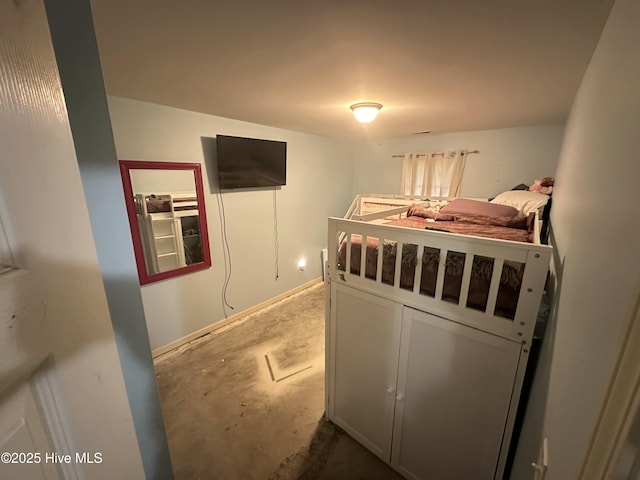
[(466, 278), (442, 265), (380, 258), (363, 256), (495, 283), (396, 276), (347, 263), (418, 269)]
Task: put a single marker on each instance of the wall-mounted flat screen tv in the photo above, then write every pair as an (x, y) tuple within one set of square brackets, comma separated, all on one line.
[(250, 162)]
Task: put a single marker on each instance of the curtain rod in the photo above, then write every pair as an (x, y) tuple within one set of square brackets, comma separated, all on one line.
[(435, 154)]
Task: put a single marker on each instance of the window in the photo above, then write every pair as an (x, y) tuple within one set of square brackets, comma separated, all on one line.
[(433, 174)]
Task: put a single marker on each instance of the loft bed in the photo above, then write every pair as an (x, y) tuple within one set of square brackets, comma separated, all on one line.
[(166, 204), (429, 327)]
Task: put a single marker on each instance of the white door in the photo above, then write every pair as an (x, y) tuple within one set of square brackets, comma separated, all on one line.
[(64, 394), (454, 391), (25, 436), (364, 348)]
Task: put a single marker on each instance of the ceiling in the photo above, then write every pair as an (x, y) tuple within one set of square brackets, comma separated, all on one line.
[(435, 65)]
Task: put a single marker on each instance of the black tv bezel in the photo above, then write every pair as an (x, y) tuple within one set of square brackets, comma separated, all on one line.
[(255, 184)]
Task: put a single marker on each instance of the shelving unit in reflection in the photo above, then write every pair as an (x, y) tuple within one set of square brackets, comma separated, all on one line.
[(170, 230)]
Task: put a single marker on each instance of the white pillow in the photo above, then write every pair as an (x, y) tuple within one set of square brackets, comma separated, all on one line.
[(524, 200)]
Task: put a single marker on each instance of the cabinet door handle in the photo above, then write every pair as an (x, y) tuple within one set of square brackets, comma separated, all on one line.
[(400, 397), (541, 471), (390, 390)]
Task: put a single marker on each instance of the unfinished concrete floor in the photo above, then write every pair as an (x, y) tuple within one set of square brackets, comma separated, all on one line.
[(247, 402)]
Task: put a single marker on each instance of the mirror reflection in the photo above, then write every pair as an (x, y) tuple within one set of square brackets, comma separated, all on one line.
[(167, 215), (167, 220)]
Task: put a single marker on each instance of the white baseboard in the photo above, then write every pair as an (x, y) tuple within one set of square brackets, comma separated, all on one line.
[(223, 323)]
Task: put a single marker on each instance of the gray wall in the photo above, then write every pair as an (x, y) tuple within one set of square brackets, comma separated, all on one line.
[(319, 181), (507, 157), (597, 267), (76, 51)]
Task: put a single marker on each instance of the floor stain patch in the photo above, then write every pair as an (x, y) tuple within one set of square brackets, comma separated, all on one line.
[(283, 376)]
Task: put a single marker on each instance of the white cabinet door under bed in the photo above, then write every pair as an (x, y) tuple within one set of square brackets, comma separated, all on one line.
[(425, 394), (454, 391), (365, 343)]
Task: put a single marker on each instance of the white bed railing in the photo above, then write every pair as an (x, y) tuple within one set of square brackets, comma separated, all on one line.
[(535, 258)]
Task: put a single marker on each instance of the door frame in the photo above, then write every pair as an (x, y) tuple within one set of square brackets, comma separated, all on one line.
[(621, 404), (6, 254)]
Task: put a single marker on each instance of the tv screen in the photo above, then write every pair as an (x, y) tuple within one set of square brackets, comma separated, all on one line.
[(250, 162)]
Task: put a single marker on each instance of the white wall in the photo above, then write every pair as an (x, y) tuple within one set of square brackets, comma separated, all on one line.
[(319, 182), (507, 157), (45, 210), (596, 233)]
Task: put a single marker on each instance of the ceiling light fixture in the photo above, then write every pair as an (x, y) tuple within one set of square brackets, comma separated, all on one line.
[(366, 112)]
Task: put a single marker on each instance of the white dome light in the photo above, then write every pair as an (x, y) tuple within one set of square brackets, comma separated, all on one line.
[(366, 112)]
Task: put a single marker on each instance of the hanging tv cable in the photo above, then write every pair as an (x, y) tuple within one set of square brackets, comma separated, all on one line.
[(226, 254), (275, 233)]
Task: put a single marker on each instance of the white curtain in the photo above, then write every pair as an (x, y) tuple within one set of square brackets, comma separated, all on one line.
[(433, 174)]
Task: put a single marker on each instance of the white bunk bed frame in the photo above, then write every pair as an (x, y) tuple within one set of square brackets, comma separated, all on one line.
[(363, 218)]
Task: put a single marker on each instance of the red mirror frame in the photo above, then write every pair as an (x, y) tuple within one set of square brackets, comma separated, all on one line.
[(125, 167)]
